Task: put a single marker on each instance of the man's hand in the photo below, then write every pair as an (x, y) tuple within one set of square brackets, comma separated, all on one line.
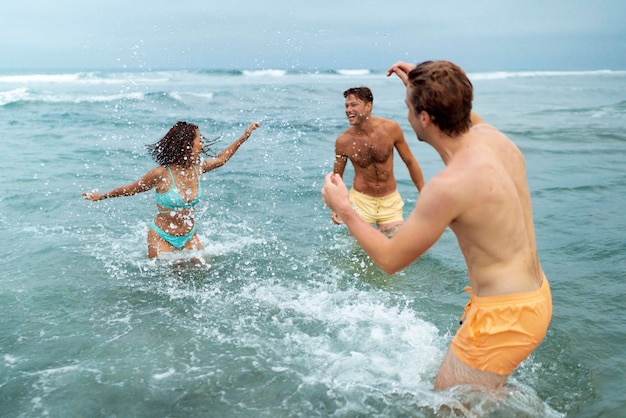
[(335, 195), (402, 70)]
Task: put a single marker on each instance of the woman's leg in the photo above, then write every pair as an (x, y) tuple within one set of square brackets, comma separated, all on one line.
[(193, 243), (157, 245)]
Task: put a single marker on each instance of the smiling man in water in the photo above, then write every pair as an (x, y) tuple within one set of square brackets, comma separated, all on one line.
[(482, 195), (369, 143)]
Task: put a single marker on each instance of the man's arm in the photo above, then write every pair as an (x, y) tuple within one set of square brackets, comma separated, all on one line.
[(415, 171), (402, 70), (339, 168), (434, 211), (341, 159)]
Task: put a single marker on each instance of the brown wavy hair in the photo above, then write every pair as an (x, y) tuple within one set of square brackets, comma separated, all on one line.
[(362, 93), (443, 90)]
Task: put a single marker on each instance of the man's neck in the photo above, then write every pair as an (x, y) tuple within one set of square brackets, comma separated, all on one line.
[(447, 146), (364, 126)]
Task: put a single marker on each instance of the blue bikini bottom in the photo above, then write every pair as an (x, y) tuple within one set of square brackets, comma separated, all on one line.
[(177, 241)]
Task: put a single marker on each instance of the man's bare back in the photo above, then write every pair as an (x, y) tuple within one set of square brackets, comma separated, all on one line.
[(484, 183)]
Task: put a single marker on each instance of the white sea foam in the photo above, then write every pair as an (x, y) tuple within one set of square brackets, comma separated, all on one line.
[(176, 96), (70, 78), (354, 72), (14, 95), (364, 327), (501, 75), (264, 73), (40, 78), (164, 375), (23, 94), (202, 95), (10, 360), (89, 78)]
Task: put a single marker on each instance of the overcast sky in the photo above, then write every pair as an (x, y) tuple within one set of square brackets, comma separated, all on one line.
[(480, 35)]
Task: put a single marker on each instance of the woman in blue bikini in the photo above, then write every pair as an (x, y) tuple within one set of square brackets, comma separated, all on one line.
[(177, 184)]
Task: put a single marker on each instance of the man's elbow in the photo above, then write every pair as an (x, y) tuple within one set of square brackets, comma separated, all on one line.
[(388, 270), (390, 266)]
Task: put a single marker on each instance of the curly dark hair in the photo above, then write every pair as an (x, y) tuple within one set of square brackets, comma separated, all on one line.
[(443, 90), (175, 147)]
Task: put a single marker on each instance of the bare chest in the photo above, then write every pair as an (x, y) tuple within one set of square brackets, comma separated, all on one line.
[(366, 152)]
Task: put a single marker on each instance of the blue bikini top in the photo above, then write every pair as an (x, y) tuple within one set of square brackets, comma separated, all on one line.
[(172, 200)]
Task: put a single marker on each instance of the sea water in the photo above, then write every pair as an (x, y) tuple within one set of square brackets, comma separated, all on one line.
[(289, 317)]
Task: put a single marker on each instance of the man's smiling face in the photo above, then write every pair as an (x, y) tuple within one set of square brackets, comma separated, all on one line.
[(357, 110)]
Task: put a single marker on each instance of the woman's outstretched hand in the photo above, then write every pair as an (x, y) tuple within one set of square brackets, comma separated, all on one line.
[(92, 195), (251, 128)]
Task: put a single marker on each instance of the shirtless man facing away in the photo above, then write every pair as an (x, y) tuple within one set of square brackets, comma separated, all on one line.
[(482, 195), (369, 143)]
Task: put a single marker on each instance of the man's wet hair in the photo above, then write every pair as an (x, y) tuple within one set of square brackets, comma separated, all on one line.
[(363, 93)]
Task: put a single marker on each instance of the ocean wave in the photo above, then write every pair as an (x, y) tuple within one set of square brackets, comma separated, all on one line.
[(96, 77), (166, 76), (264, 73), (220, 72), (69, 78), (24, 95), (40, 78), (281, 73), (501, 75), (207, 96), (13, 96), (354, 72)]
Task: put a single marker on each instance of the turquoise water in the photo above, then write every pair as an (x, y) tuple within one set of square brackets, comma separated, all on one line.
[(291, 318)]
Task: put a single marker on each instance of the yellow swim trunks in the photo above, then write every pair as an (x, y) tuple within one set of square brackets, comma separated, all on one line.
[(499, 332), (379, 210)]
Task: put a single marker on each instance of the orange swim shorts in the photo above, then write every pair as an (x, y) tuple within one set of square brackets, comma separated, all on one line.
[(499, 332), (379, 210)]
